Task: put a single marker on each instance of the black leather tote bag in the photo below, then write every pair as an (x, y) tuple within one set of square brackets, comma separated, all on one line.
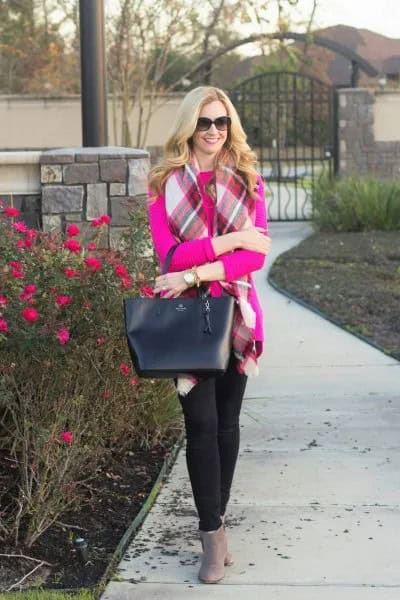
[(170, 337)]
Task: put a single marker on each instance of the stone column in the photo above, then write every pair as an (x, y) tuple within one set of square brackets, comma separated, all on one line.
[(355, 136), (80, 184), (360, 153)]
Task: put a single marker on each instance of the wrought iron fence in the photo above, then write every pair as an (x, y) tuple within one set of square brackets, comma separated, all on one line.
[(289, 121)]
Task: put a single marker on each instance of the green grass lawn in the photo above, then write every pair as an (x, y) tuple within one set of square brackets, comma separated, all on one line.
[(43, 595)]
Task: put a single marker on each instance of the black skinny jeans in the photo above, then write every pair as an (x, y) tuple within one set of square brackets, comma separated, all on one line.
[(211, 411)]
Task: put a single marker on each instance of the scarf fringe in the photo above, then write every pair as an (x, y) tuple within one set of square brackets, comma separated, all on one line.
[(251, 369), (248, 313), (185, 384)]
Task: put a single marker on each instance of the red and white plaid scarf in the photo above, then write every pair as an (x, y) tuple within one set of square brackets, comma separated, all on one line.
[(235, 209)]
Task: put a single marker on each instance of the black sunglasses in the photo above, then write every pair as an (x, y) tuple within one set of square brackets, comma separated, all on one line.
[(221, 123)]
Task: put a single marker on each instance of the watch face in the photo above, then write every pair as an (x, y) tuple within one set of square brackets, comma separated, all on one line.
[(189, 278)]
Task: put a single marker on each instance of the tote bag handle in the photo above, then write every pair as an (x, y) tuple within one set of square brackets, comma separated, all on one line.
[(168, 259), (167, 262)]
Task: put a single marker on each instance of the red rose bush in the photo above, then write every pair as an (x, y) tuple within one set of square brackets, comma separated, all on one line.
[(68, 392)]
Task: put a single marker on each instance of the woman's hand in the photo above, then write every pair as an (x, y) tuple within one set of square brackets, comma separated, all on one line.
[(171, 283), (254, 238)]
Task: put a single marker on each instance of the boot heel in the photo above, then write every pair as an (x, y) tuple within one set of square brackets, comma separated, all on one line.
[(214, 554), (228, 558), (228, 562)]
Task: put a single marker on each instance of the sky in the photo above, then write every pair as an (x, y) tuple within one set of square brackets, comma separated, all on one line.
[(382, 17)]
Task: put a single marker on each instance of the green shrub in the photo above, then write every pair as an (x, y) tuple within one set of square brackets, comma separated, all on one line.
[(68, 393), (356, 204)]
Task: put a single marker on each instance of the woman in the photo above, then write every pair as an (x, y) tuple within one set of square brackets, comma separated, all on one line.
[(207, 196)]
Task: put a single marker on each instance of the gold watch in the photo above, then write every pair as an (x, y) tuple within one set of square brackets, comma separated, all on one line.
[(191, 277)]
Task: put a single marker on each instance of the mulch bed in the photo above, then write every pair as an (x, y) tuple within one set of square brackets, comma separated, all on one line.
[(353, 278), (114, 498)]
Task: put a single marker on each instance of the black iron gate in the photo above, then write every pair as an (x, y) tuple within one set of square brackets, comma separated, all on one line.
[(290, 124)]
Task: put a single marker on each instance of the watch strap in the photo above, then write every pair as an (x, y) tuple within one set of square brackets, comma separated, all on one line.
[(196, 276)]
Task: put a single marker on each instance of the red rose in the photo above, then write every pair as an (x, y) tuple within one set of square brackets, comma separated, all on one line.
[(20, 226), (63, 336), (134, 380), (63, 300), (31, 234), (67, 437), (121, 271), (16, 265), (102, 220), (93, 263), (3, 300), (73, 230), (73, 246), (100, 341), (125, 369), (91, 246), (30, 288), (30, 314), (10, 211), (126, 282), (27, 297), (70, 273), (17, 274), (147, 291), (3, 326)]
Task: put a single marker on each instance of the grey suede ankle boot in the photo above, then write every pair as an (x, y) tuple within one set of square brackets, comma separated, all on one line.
[(214, 553), (228, 558)]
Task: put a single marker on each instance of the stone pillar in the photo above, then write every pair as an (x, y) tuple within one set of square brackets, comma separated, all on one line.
[(356, 138), (156, 154), (359, 152), (80, 184)]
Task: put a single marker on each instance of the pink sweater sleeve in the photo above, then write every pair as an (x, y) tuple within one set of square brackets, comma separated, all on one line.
[(187, 254), (241, 262)]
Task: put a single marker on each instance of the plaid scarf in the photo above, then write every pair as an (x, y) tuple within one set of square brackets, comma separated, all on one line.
[(235, 209)]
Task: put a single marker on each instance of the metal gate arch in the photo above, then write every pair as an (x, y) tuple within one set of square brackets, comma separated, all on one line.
[(289, 119)]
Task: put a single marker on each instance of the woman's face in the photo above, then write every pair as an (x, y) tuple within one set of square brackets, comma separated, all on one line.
[(211, 141)]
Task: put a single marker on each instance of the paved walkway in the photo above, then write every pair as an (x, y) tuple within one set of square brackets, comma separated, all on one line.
[(315, 506)]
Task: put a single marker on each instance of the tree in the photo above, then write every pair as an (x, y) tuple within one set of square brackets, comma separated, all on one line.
[(36, 54), (144, 39), (154, 47), (148, 39)]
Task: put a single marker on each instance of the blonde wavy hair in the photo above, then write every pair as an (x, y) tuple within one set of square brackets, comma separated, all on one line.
[(178, 147)]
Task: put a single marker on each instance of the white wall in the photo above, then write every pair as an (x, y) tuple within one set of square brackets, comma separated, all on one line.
[(387, 117), (19, 172), (39, 122)]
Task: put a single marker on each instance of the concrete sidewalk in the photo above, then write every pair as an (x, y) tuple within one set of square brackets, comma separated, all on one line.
[(315, 505)]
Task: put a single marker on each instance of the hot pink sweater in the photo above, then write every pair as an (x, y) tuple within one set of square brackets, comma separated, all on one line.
[(198, 252)]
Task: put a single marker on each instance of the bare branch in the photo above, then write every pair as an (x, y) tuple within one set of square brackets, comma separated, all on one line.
[(42, 562), (14, 585)]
